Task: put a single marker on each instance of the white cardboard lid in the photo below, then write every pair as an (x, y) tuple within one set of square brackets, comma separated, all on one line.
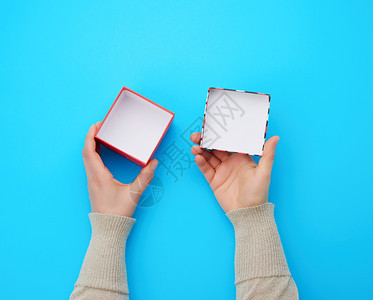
[(135, 125), (235, 121)]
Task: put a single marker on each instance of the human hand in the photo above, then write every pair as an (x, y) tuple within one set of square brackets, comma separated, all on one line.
[(108, 195), (236, 180)]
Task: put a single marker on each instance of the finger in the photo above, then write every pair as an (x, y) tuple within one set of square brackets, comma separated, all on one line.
[(138, 186), (221, 155), (91, 158), (195, 137), (266, 162), (206, 169), (210, 158)]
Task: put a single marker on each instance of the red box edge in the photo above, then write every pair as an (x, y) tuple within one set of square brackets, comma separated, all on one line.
[(120, 152)]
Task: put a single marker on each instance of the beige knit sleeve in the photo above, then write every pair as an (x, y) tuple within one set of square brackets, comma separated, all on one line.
[(103, 273), (260, 264)]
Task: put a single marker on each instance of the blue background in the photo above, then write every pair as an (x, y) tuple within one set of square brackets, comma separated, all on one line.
[(64, 62)]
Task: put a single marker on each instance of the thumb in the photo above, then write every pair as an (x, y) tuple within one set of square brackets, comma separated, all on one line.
[(138, 186), (266, 162)]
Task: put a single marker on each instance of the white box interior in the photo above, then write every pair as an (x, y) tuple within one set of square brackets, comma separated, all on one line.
[(235, 121), (134, 125)]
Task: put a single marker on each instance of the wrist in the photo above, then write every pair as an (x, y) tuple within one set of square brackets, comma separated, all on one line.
[(242, 204), (123, 209)]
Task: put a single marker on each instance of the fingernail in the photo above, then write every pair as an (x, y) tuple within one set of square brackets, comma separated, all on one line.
[(278, 139)]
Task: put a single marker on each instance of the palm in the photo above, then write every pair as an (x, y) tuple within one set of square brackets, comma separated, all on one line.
[(236, 180)]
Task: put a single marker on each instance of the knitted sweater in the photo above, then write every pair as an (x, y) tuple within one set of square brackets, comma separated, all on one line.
[(261, 270)]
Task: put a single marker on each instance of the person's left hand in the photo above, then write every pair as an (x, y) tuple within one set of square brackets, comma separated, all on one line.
[(108, 195)]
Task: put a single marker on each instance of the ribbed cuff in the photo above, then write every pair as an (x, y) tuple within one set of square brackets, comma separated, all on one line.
[(104, 264), (259, 252)]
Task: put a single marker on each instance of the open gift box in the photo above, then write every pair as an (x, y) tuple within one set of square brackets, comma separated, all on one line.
[(134, 126), (235, 121)]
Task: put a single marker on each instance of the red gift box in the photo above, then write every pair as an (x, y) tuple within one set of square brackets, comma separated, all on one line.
[(134, 126)]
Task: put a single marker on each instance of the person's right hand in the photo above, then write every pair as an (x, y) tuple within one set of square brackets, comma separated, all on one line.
[(108, 195), (236, 180)]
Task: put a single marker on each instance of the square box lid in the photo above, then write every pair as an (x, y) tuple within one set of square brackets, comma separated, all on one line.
[(235, 121), (134, 126)]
